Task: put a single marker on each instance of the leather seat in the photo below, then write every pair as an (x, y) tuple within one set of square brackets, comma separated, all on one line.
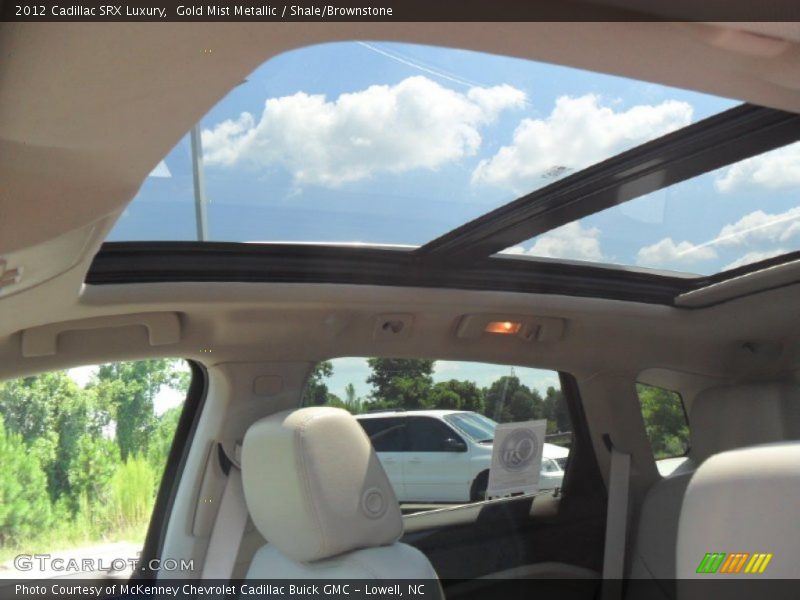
[(742, 501), (318, 494), (722, 418)]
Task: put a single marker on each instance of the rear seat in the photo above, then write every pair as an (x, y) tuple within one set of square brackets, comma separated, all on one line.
[(712, 519), (722, 418)]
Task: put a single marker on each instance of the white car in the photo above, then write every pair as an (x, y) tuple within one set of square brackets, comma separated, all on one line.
[(444, 455)]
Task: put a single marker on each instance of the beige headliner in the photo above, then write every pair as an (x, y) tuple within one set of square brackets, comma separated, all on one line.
[(87, 110)]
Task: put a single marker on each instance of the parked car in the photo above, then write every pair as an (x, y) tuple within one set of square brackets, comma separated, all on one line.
[(667, 466), (444, 455)]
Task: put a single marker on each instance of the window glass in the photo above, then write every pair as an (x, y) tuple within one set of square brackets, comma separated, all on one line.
[(82, 454), (387, 435), (440, 417), (665, 422), (728, 218), (429, 435), (549, 466), (403, 145), (475, 426)]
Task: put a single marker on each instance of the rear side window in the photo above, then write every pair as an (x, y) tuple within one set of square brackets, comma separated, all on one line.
[(82, 452), (429, 435), (386, 435), (665, 421), (440, 417)]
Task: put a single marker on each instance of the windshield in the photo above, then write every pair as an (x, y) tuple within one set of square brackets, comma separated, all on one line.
[(550, 466), (477, 427)]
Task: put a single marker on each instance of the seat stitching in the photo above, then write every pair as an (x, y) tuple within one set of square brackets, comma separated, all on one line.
[(305, 479)]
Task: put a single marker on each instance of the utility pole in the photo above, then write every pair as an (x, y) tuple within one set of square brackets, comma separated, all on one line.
[(199, 180)]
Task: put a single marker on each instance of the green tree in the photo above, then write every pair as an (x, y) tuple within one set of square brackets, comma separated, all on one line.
[(24, 502), (127, 391), (350, 393), (316, 393), (60, 463), (457, 395), (444, 397), (400, 382), (556, 411), (27, 403), (352, 402), (51, 412), (508, 400), (526, 404), (161, 442), (91, 469), (665, 421)]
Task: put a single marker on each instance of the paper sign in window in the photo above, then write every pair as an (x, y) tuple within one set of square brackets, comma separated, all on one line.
[(516, 458)]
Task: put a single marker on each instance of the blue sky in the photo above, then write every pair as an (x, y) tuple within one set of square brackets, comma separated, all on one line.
[(355, 370), (390, 143)]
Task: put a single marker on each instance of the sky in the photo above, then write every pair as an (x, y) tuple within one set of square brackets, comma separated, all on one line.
[(391, 143), (355, 370)]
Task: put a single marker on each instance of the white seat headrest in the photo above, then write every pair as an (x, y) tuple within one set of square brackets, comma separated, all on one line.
[(314, 486), (733, 416), (743, 502)]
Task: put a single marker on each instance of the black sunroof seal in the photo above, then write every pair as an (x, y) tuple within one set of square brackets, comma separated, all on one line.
[(154, 262)]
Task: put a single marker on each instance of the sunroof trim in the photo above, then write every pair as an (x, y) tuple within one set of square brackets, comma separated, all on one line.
[(159, 262), (155, 262), (720, 140), (765, 276)]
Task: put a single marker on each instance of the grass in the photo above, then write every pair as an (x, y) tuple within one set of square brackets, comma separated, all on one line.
[(122, 517), (72, 536)]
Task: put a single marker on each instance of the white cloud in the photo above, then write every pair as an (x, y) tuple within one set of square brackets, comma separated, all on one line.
[(752, 257), (752, 230), (758, 227), (773, 170), (415, 124), (496, 99), (224, 144), (667, 252), (570, 241), (578, 132)]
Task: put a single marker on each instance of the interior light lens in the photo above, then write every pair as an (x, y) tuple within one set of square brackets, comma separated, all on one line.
[(505, 327)]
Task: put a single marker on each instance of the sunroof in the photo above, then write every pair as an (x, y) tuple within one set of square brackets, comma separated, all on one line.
[(385, 143), (737, 215)]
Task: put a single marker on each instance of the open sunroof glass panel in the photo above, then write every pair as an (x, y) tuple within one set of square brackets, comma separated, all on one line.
[(731, 217), (386, 143)]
